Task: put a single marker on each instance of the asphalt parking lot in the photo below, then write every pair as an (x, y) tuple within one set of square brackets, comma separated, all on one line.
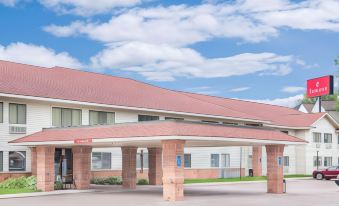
[(299, 193)]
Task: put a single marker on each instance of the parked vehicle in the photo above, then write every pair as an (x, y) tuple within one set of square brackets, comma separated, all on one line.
[(329, 173)]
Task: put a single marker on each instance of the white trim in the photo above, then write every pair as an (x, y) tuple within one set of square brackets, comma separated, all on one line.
[(330, 118), (286, 127), (128, 107), (159, 138)]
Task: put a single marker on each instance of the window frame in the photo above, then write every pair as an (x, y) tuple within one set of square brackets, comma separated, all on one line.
[(24, 162), (314, 138), (156, 118), (71, 109), (174, 118), (328, 163), (320, 161), (189, 165), (215, 161), (17, 113), (1, 161), (89, 117), (327, 135), (288, 161), (101, 160)]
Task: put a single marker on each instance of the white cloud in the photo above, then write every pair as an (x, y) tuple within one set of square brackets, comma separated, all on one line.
[(37, 55), (292, 89), (165, 63), (239, 89), (203, 90), (86, 7), (10, 3), (287, 102)]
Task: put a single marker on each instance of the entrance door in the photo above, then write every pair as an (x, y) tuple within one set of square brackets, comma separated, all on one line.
[(63, 163), (225, 160)]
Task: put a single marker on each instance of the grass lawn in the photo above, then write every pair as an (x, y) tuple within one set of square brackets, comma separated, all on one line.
[(237, 179), (15, 191)]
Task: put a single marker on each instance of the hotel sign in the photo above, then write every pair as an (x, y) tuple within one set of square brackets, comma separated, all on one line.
[(320, 86), (83, 141)]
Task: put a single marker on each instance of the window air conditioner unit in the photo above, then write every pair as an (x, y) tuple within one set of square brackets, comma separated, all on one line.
[(318, 145), (17, 130), (329, 146)]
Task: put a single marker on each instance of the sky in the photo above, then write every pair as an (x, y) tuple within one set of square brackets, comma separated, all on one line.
[(255, 50)]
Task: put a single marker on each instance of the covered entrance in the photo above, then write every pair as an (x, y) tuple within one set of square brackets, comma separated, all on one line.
[(165, 141)]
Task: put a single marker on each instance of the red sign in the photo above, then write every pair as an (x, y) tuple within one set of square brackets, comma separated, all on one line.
[(320, 86), (83, 141)]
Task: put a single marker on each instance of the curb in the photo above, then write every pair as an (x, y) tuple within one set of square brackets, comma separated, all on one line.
[(38, 194)]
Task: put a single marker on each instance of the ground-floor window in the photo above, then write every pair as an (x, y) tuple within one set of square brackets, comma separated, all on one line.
[(1, 161), (286, 161), (327, 161), (315, 163), (215, 160), (225, 160), (144, 157), (101, 160), (188, 160), (17, 161)]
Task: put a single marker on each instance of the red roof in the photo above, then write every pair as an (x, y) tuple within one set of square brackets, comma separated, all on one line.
[(156, 128), (75, 85)]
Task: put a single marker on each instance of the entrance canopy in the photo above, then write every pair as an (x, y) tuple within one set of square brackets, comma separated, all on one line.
[(146, 134)]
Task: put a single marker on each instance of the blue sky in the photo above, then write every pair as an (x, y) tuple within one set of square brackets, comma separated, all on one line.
[(255, 50)]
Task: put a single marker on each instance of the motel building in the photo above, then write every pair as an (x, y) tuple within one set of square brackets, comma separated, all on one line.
[(59, 123)]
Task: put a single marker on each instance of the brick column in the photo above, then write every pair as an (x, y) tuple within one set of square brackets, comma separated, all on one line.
[(173, 175), (33, 161), (155, 166), (82, 166), (275, 174), (45, 168), (129, 170), (256, 160)]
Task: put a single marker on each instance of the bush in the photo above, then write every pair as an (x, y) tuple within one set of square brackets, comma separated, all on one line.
[(106, 181), (19, 183), (58, 186), (142, 182)]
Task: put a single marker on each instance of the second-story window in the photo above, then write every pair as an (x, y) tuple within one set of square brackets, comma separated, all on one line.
[(101, 118), (327, 138), (1, 112), (17, 113), (142, 118), (316, 137), (64, 117)]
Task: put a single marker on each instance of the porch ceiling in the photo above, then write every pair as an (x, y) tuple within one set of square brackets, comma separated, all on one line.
[(150, 134)]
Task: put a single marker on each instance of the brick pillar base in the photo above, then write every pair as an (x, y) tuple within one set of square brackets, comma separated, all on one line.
[(256, 160), (33, 161), (45, 168), (275, 174), (129, 170), (155, 166), (82, 166), (173, 175)]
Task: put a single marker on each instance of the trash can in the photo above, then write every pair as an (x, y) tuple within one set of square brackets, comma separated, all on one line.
[(250, 172), (284, 182)]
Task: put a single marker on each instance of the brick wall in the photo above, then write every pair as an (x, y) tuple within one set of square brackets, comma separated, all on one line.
[(7, 175)]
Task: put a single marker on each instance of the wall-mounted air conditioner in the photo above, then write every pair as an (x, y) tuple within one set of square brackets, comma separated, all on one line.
[(17, 130)]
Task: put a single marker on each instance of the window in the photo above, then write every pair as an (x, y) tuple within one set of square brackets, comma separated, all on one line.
[(315, 161), (64, 117), (101, 118), (212, 122), (332, 168), (225, 160), (214, 160), (188, 160), (17, 161), (144, 158), (316, 137), (286, 132), (101, 160), (17, 113), (327, 138), (286, 161), (142, 118), (1, 112), (1, 161), (327, 161), (230, 123), (253, 125), (173, 118)]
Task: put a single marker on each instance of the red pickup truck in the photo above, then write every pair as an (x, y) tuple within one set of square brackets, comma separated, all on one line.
[(329, 173)]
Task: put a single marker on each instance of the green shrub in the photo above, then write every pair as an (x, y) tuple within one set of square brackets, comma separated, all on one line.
[(58, 186), (98, 181), (113, 181), (142, 182), (19, 183)]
